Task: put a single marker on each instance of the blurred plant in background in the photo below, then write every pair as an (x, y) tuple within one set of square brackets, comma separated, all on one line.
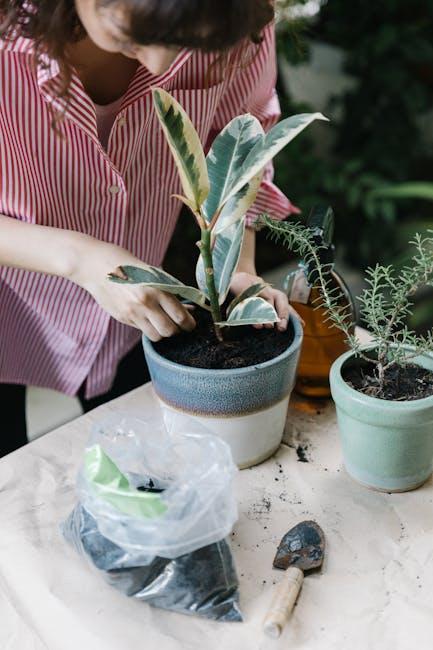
[(421, 319), (374, 62)]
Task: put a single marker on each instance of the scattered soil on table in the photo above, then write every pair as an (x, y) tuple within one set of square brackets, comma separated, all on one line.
[(409, 383), (301, 453), (242, 347)]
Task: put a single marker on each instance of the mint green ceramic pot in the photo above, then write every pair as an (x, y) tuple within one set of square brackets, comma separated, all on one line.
[(387, 445)]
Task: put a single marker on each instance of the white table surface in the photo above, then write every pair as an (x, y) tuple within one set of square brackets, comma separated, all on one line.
[(374, 592)]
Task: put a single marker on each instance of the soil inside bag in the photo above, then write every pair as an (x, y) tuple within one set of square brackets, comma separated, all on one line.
[(203, 582)]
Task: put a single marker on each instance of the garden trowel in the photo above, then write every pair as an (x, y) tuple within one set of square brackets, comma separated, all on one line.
[(301, 549)]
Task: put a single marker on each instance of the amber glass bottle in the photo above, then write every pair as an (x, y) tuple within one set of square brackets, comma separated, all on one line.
[(323, 342)]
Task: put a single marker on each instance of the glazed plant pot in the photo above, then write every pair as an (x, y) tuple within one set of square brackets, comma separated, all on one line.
[(387, 445), (246, 407)]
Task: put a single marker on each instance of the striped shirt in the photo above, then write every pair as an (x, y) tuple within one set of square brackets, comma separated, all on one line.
[(52, 332)]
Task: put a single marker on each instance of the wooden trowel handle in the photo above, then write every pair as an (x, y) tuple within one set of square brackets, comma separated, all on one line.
[(283, 602)]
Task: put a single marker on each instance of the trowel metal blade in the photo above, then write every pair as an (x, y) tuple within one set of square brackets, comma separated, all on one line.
[(303, 546)]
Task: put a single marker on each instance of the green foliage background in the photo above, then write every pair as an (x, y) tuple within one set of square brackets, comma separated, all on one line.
[(388, 48)]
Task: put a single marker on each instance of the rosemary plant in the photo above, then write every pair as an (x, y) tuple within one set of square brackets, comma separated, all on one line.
[(385, 303)]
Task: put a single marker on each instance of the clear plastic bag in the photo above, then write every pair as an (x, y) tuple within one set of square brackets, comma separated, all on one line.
[(179, 559)]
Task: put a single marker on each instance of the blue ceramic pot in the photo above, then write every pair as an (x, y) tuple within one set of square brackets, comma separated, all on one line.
[(247, 407)]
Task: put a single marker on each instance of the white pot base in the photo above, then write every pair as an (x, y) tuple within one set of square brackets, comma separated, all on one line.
[(252, 438)]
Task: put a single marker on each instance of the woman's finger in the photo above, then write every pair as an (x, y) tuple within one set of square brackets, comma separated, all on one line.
[(148, 330), (177, 312), (138, 318), (148, 308), (268, 295), (282, 308), (162, 322)]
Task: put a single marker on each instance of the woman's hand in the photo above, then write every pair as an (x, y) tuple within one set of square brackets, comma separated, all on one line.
[(246, 275), (278, 299), (154, 312)]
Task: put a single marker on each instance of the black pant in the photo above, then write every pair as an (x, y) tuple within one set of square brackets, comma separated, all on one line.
[(131, 373)]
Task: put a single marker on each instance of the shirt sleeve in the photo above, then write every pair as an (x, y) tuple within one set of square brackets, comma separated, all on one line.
[(252, 90)]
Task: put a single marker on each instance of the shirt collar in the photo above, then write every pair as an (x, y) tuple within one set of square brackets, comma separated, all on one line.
[(49, 82), (183, 56), (144, 80), (48, 68)]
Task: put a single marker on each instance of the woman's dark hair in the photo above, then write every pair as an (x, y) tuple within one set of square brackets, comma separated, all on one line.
[(210, 25)]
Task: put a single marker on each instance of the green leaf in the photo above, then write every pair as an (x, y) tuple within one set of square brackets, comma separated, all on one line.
[(252, 311), (226, 156), (185, 146), (252, 291), (414, 190), (155, 278), (225, 258), (237, 206), (266, 148)]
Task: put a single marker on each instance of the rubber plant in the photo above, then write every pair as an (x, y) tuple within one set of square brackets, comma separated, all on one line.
[(218, 189)]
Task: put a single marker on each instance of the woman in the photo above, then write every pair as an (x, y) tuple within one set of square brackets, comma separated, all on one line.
[(86, 178)]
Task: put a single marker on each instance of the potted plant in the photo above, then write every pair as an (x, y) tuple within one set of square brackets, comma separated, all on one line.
[(383, 391), (238, 384)]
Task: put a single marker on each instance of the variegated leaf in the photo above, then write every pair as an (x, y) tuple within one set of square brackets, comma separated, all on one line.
[(252, 311), (226, 156), (185, 146), (225, 257), (189, 204), (156, 278), (266, 148), (238, 205), (252, 291), (200, 276)]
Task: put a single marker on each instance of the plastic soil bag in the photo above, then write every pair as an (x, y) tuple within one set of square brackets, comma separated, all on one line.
[(155, 507)]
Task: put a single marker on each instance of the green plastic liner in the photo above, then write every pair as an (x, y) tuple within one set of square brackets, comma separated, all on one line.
[(113, 486)]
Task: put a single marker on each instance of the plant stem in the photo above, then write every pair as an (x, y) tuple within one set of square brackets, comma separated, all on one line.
[(206, 253)]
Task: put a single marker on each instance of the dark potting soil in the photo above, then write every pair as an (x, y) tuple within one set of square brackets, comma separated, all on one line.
[(410, 382), (150, 487), (242, 346), (203, 582)]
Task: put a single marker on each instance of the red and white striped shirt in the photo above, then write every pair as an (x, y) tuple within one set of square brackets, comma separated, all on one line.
[(52, 332)]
